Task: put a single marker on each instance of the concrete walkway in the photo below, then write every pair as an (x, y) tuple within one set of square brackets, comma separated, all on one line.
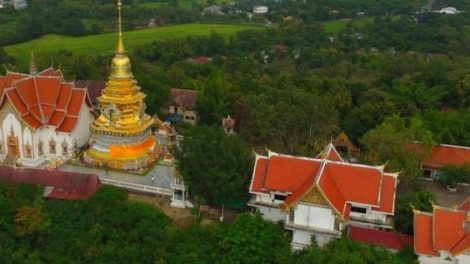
[(162, 175)]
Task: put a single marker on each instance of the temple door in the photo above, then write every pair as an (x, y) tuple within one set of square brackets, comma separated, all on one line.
[(13, 148)]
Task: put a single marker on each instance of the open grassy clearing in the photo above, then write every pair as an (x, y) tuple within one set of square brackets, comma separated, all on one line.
[(333, 26), (105, 43), (187, 4)]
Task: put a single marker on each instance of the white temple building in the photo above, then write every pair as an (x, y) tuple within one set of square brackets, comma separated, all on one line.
[(42, 118)]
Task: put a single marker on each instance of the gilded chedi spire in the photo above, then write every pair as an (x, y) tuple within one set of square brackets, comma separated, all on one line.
[(121, 64), (121, 135)]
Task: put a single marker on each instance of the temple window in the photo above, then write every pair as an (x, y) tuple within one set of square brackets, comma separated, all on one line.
[(359, 210), (52, 146), (40, 148), (28, 153), (65, 148)]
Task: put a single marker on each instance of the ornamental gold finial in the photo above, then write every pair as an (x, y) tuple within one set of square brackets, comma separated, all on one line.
[(120, 47)]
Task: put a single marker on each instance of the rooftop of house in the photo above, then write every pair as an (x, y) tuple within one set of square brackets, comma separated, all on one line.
[(390, 240), (183, 98), (443, 155), (59, 185), (444, 229), (43, 98), (341, 184)]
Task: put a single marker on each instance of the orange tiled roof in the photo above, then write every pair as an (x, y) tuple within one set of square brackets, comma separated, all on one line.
[(44, 99), (444, 229), (287, 174), (423, 234), (443, 155), (387, 194), (448, 228), (341, 183)]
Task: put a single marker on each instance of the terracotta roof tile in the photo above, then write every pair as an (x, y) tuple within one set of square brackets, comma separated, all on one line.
[(359, 184), (287, 174), (68, 124), (448, 228), (387, 194), (259, 174), (423, 234), (44, 99), (376, 237), (443, 155), (462, 246)]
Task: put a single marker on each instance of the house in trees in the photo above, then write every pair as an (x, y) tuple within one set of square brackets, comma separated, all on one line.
[(182, 106), (345, 146), (443, 236), (42, 118), (319, 197), (443, 155)]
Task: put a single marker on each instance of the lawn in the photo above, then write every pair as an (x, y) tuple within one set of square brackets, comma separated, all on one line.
[(334, 26), (105, 43)]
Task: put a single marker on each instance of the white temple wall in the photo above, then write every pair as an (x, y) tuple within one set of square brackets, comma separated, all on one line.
[(312, 216), (81, 133), (11, 122), (271, 214)]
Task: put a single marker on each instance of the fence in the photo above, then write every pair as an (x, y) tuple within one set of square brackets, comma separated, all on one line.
[(137, 187)]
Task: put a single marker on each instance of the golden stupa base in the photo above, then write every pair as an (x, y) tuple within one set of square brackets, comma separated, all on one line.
[(138, 163)]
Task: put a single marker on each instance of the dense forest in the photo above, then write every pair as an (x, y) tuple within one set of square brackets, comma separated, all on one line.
[(110, 229)]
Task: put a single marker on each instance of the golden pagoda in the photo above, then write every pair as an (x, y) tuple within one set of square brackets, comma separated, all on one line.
[(121, 136)]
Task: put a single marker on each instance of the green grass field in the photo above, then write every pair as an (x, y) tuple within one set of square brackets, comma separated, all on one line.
[(106, 43), (183, 3), (334, 26)]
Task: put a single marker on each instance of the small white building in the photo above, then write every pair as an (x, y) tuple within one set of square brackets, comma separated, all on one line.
[(260, 9), (19, 4), (443, 236), (42, 118), (448, 10), (319, 197)]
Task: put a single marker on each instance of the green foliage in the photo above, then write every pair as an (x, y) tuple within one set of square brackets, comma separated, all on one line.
[(216, 166), (344, 251), (246, 241), (453, 174), (394, 143), (420, 200)]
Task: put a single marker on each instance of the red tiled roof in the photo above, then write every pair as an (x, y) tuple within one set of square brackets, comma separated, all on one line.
[(343, 182), (44, 99), (65, 185), (287, 174), (259, 174), (443, 155), (448, 228), (376, 237), (340, 183), (444, 229), (423, 234), (387, 194), (183, 98)]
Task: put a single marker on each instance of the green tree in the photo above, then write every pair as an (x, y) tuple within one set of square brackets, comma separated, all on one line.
[(421, 200), (215, 165), (394, 143), (250, 239)]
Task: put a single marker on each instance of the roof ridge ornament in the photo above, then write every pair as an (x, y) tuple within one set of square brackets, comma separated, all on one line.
[(33, 69), (120, 48)]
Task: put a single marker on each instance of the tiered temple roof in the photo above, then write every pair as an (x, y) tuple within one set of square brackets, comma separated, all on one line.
[(44, 99), (340, 183)]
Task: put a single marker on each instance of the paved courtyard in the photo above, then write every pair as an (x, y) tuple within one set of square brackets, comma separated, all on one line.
[(162, 175), (445, 197)]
